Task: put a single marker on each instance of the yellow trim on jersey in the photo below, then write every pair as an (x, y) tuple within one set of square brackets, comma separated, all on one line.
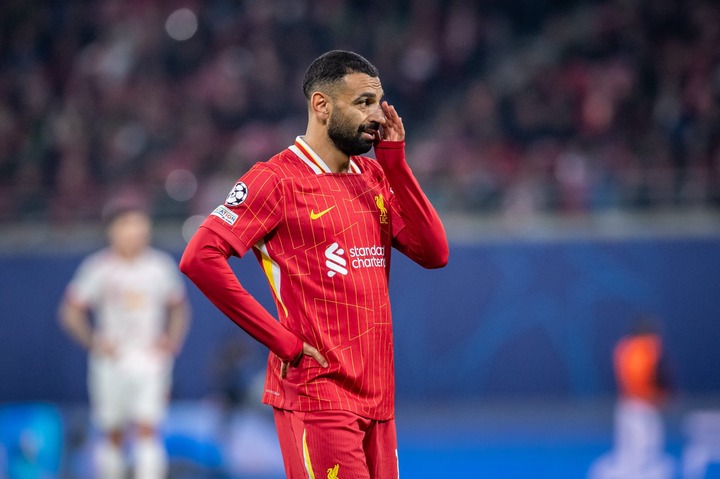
[(314, 167), (272, 272), (313, 160), (306, 456), (309, 155)]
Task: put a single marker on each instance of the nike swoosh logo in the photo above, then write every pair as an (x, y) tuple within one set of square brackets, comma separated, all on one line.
[(314, 216)]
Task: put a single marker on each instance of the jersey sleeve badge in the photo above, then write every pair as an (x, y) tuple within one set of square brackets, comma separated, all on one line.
[(237, 194)]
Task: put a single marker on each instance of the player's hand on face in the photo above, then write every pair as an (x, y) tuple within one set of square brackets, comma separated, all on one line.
[(392, 128), (307, 350)]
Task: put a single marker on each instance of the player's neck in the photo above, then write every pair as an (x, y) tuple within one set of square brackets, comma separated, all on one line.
[(128, 255), (336, 160)]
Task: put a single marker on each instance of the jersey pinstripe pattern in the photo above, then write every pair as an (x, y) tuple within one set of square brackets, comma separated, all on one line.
[(324, 241)]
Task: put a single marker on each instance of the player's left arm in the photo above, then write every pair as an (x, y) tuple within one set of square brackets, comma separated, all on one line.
[(422, 238), (177, 326), (75, 321)]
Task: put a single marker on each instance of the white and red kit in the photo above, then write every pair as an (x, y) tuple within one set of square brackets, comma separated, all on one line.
[(323, 240), (129, 299)]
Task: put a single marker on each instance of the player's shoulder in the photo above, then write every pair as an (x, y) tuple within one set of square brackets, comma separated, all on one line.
[(369, 165), (159, 257), (288, 165), (366, 162), (96, 264), (282, 166), (97, 259)]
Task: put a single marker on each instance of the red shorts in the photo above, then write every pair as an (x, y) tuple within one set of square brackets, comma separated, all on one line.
[(336, 444)]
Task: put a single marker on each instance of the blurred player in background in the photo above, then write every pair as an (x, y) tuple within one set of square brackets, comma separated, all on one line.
[(322, 221), (642, 376), (136, 297)]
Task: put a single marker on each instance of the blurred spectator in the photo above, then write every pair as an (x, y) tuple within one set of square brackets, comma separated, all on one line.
[(642, 376), (517, 107)]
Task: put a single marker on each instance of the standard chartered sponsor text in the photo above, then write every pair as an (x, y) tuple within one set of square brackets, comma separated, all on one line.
[(367, 256)]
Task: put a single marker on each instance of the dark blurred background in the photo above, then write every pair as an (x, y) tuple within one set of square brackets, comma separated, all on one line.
[(571, 147), (512, 107)]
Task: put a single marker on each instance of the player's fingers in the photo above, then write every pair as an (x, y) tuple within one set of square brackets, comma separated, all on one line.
[(390, 113), (393, 128), (387, 112), (306, 351), (315, 354)]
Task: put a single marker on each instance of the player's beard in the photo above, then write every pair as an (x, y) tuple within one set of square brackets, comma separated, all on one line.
[(348, 138)]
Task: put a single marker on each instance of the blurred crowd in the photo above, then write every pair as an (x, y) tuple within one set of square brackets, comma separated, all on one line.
[(511, 107)]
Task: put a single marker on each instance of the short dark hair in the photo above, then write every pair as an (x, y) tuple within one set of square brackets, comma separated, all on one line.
[(118, 207), (332, 66)]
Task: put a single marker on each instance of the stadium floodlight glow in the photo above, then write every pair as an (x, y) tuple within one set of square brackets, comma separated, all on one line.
[(190, 226), (181, 185), (181, 24)]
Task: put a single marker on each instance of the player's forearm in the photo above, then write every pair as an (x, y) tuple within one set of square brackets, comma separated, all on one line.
[(178, 323), (425, 234), (205, 263), (75, 322)]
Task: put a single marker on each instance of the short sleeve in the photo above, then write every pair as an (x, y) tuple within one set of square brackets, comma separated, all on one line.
[(252, 209), (86, 285), (175, 287)]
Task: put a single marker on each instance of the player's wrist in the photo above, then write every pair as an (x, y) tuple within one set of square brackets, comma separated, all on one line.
[(390, 144), (170, 344), (391, 155), (294, 353), (102, 346), (298, 350)]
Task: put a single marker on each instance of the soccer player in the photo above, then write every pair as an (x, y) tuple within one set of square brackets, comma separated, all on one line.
[(322, 220), (137, 298)]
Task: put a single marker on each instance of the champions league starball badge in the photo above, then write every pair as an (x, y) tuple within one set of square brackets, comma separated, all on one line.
[(237, 194)]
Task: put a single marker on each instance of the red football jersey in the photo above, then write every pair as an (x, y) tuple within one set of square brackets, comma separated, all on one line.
[(324, 241)]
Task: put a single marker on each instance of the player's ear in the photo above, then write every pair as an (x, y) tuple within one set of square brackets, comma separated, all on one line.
[(320, 105)]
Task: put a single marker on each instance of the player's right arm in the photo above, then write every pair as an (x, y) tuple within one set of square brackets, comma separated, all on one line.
[(205, 263), (81, 294), (250, 213), (75, 320)]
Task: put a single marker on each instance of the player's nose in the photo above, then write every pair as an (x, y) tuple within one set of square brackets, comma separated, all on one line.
[(377, 115)]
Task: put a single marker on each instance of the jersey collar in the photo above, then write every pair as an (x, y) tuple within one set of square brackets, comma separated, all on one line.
[(313, 160)]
